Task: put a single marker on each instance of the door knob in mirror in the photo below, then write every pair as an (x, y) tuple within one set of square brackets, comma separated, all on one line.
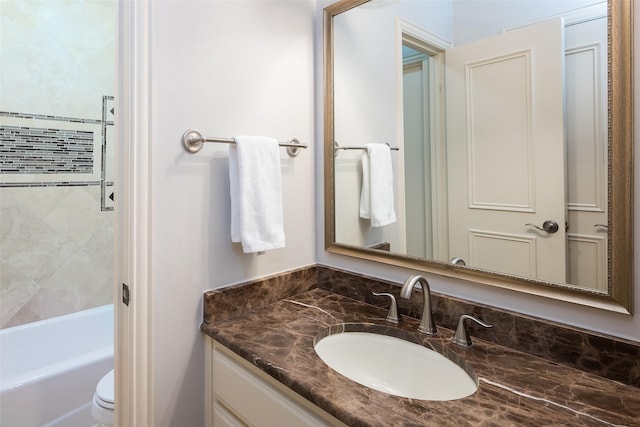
[(548, 226)]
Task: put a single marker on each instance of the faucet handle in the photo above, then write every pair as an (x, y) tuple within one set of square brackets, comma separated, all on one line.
[(462, 337), (393, 316)]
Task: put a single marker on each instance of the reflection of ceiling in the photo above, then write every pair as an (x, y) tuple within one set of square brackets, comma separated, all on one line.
[(477, 19)]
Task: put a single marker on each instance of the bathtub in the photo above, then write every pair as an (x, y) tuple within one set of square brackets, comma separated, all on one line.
[(49, 369)]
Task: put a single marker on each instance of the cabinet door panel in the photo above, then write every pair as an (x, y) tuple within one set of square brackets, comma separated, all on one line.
[(253, 400)]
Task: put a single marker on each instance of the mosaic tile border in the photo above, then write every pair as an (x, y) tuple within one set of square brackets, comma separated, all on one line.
[(67, 179), (92, 130), (45, 150), (48, 117), (49, 184), (106, 182)]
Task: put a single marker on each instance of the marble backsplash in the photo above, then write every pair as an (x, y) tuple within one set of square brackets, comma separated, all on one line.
[(605, 356), (224, 303)]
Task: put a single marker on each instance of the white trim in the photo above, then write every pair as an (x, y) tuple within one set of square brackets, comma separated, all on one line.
[(133, 108), (437, 126), (399, 164), (429, 44), (423, 36), (431, 48)]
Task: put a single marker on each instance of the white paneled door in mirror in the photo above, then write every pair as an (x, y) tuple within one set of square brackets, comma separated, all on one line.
[(505, 170), (513, 125)]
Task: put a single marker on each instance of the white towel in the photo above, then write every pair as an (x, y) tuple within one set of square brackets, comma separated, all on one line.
[(256, 195), (376, 197)]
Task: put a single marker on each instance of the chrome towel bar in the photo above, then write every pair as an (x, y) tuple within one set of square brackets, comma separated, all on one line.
[(193, 140), (337, 147)]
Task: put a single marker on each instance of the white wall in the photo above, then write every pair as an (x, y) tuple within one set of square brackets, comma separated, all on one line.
[(570, 314), (367, 56), (225, 68)]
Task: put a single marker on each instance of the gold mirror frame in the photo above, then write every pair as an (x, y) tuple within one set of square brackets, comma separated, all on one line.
[(620, 117)]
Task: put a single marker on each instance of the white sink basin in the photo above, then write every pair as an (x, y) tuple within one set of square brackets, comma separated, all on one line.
[(395, 366)]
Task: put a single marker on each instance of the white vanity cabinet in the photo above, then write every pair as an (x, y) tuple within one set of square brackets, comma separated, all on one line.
[(240, 394)]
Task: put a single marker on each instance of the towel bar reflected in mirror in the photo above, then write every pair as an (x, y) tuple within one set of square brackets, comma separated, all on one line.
[(193, 140), (337, 147)]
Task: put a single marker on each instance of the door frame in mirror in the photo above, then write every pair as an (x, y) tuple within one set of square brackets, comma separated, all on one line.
[(620, 207)]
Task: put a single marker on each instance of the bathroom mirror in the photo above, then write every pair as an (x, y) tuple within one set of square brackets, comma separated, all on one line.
[(511, 134)]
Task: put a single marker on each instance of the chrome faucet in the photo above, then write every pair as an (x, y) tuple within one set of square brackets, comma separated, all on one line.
[(393, 316), (462, 337), (426, 322)]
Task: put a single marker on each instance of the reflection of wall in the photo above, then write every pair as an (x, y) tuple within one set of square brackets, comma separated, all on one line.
[(368, 106), (369, 116), (498, 15), (586, 151), (56, 244)]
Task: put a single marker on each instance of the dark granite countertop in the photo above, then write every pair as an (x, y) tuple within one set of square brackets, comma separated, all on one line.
[(514, 388)]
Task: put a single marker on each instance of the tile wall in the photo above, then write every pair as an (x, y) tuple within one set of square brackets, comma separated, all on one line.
[(56, 161), (56, 252), (56, 228)]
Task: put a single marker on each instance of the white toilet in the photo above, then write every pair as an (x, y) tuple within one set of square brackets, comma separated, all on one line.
[(103, 400)]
